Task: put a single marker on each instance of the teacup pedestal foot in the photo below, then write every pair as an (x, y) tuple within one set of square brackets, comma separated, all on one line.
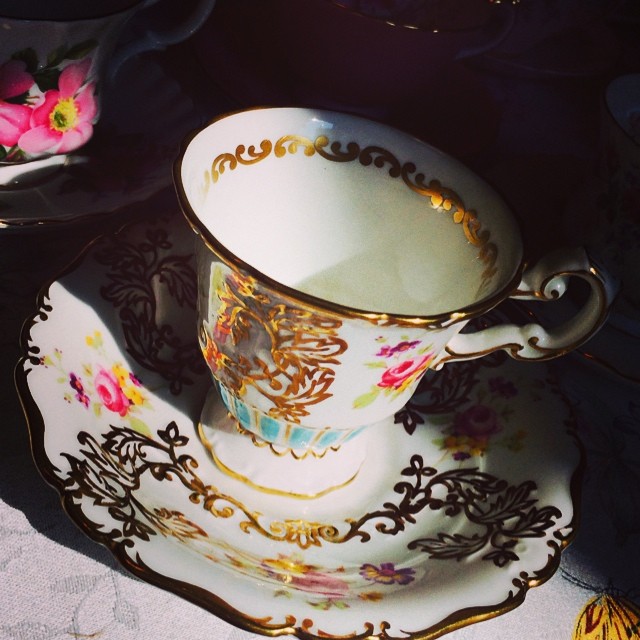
[(298, 473)]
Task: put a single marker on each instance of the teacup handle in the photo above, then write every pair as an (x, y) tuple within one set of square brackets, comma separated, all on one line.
[(507, 14), (152, 40), (546, 281)]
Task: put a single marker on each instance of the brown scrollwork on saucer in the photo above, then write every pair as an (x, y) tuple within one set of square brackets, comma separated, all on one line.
[(499, 514), (137, 271)]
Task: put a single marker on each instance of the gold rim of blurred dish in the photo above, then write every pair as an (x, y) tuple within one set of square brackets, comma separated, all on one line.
[(416, 26)]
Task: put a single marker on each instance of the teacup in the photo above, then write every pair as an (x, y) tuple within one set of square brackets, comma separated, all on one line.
[(55, 58), (338, 261)]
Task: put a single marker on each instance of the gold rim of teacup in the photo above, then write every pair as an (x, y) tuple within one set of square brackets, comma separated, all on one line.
[(313, 302)]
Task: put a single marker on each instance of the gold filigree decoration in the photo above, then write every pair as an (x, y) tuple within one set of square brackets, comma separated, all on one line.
[(369, 632), (439, 197), (242, 155), (502, 513), (302, 346), (302, 533)]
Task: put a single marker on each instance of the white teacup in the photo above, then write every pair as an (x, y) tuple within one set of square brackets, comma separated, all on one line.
[(338, 261), (54, 60)]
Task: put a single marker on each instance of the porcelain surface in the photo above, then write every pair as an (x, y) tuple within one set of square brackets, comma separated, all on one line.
[(324, 317), (465, 500), (145, 115)]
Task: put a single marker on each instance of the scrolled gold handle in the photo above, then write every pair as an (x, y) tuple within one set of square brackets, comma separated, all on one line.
[(547, 281)]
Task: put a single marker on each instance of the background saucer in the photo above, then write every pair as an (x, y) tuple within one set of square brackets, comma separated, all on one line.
[(145, 116)]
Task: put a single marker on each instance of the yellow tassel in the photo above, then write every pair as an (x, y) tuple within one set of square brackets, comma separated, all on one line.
[(608, 617)]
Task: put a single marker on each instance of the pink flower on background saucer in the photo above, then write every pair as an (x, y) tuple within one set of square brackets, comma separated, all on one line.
[(14, 118), (63, 121)]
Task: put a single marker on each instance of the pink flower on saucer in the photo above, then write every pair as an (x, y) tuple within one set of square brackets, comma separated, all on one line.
[(320, 584), (397, 376), (63, 120), (110, 392), (14, 118), (478, 421)]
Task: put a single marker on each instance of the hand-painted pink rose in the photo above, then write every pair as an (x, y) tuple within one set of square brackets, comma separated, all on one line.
[(63, 120), (478, 421), (402, 373), (14, 118), (320, 584), (110, 392)]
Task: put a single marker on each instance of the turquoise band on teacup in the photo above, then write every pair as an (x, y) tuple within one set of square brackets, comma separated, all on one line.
[(283, 433)]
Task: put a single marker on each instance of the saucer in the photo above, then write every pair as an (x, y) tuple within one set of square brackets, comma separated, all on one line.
[(145, 115), (465, 500)]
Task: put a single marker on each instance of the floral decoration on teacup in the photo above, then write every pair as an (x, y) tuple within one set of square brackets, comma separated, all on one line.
[(49, 107)]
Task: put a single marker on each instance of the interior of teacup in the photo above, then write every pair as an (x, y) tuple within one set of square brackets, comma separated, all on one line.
[(349, 211)]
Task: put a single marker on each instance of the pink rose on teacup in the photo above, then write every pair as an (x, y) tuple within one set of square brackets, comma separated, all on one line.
[(401, 373)]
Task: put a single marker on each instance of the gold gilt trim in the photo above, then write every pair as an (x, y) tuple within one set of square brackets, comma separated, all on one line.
[(592, 357), (416, 19), (289, 524), (302, 344), (284, 527), (545, 353), (242, 155), (438, 196), (126, 456), (121, 540)]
